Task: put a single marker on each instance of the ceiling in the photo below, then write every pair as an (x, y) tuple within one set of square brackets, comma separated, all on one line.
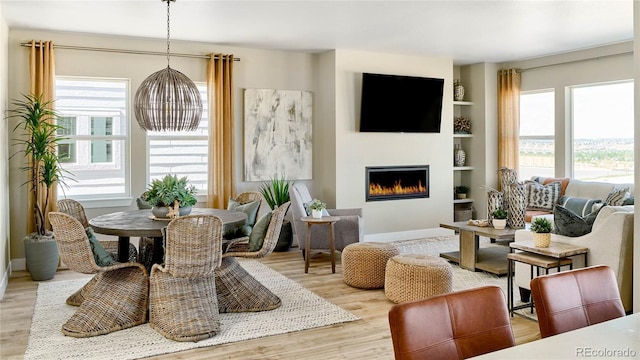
[(467, 31)]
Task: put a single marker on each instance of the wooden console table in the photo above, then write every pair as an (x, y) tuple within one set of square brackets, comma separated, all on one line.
[(471, 256)]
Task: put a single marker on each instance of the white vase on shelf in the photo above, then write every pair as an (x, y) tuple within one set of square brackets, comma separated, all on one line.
[(460, 156)]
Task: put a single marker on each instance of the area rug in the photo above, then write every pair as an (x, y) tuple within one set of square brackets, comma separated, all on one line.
[(301, 309)]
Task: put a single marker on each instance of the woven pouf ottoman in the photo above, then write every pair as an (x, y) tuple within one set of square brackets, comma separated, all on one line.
[(363, 264), (413, 277)]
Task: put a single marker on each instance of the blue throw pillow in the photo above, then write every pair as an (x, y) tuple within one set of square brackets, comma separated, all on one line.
[(100, 255), (259, 232), (251, 209), (580, 206)]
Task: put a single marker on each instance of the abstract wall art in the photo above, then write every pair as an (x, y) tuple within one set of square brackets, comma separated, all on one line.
[(277, 134)]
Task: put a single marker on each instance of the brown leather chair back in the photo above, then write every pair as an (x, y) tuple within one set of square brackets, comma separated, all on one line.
[(574, 299), (456, 325)]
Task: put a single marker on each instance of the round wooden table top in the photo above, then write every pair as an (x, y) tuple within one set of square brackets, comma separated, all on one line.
[(140, 222), (321, 220)]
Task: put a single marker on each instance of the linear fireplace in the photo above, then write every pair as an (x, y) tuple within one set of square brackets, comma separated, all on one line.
[(397, 182)]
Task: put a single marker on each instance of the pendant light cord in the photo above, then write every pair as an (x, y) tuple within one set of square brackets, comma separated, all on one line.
[(168, 31)]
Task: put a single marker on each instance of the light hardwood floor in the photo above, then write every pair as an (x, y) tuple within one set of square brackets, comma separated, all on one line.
[(368, 338)]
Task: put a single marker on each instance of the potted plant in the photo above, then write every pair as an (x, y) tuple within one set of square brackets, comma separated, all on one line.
[(316, 206), (275, 193), (541, 228), (170, 196), (499, 218), (39, 141), (462, 191)]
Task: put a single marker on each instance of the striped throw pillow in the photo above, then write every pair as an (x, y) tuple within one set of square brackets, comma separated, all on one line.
[(580, 206), (617, 196)]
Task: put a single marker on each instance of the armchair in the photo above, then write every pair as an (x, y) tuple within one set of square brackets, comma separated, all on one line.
[(350, 228)]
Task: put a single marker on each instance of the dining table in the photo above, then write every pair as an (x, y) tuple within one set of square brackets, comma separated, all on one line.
[(125, 224)]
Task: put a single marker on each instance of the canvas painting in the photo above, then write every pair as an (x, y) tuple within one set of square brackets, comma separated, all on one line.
[(277, 134)]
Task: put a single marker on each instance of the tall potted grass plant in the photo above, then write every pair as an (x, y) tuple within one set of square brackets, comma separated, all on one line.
[(275, 193)]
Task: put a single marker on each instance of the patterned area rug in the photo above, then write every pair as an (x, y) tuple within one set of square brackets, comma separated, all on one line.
[(301, 309)]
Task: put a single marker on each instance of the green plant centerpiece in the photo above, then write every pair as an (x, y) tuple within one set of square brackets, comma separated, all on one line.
[(541, 228), (276, 192), (170, 196), (462, 191), (499, 220), (316, 207), (39, 139)]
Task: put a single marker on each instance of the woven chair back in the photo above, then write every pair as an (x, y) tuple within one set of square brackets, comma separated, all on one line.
[(273, 231), (73, 243), (193, 245), (75, 209)]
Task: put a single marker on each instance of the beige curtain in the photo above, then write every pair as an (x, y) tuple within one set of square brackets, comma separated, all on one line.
[(42, 74), (508, 118), (220, 95)]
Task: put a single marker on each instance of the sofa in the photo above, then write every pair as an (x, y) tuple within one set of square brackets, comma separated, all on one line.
[(610, 240)]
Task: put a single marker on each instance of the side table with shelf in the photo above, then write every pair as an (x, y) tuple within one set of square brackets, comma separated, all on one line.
[(555, 256)]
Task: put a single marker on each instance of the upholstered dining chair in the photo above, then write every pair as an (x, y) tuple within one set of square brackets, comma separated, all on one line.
[(456, 325), (75, 209), (350, 228), (182, 297), (574, 299), (237, 290), (114, 299)]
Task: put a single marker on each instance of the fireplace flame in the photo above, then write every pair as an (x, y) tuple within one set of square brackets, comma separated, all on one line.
[(376, 189)]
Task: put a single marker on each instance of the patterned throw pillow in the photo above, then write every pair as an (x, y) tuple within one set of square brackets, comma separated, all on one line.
[(580, 206), (542, 197), (568, 223), (617, 196)]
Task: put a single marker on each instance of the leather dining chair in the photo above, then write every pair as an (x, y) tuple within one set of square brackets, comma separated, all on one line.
[(574, 299), (456, 325)]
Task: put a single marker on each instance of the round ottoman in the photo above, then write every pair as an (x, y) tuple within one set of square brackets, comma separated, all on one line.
[(363, 264), (413, 277)]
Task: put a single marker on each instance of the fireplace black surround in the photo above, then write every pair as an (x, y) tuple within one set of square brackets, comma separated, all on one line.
[(397, 182)]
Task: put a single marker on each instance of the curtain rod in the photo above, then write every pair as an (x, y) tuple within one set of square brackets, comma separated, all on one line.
[(123, 51), (575, 61)]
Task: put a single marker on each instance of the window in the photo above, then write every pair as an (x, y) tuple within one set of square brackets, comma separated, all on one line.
[(603, 124), (94, 119), (537, 121), (183, 153)]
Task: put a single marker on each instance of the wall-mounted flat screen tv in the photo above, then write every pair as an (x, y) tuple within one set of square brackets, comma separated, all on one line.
[(394, 103)]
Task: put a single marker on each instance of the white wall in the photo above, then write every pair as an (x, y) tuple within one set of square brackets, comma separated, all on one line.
[(257, 69), (636, 233), (354, 150), (5, 245)]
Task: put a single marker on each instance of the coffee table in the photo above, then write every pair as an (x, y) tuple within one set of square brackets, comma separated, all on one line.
[(470, 256)]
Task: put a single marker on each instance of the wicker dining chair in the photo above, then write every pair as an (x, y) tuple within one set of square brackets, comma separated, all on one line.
[(75, 209), (114, 299), (182, 296), (237, 290)]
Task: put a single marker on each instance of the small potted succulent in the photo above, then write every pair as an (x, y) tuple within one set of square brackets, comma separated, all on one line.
[(541, 228), (168, 193), (499, 218), (316, 206), (462, 191)]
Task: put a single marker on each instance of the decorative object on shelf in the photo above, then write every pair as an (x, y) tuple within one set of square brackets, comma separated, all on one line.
[(171, 196), (458, 90), (168, 100), (500, 218), (541, 228), (460, 156), (462, 191), (316, 207), (517, 206), (494, 201), (461, 125)]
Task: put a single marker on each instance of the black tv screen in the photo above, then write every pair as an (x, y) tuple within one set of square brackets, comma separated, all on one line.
[(393, 103)]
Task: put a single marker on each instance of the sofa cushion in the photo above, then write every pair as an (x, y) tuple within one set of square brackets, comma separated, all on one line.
[(580, 206), (617, 197), (542, 197), (568, 223)]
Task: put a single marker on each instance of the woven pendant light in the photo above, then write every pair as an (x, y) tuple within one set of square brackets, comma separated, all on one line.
[(168, 100)]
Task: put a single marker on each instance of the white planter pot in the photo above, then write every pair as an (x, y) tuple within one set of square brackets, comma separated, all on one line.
[(499, 223), (316, 214)]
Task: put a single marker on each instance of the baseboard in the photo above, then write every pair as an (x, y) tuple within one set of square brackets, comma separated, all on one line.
[(408, 235), (5, 281)]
